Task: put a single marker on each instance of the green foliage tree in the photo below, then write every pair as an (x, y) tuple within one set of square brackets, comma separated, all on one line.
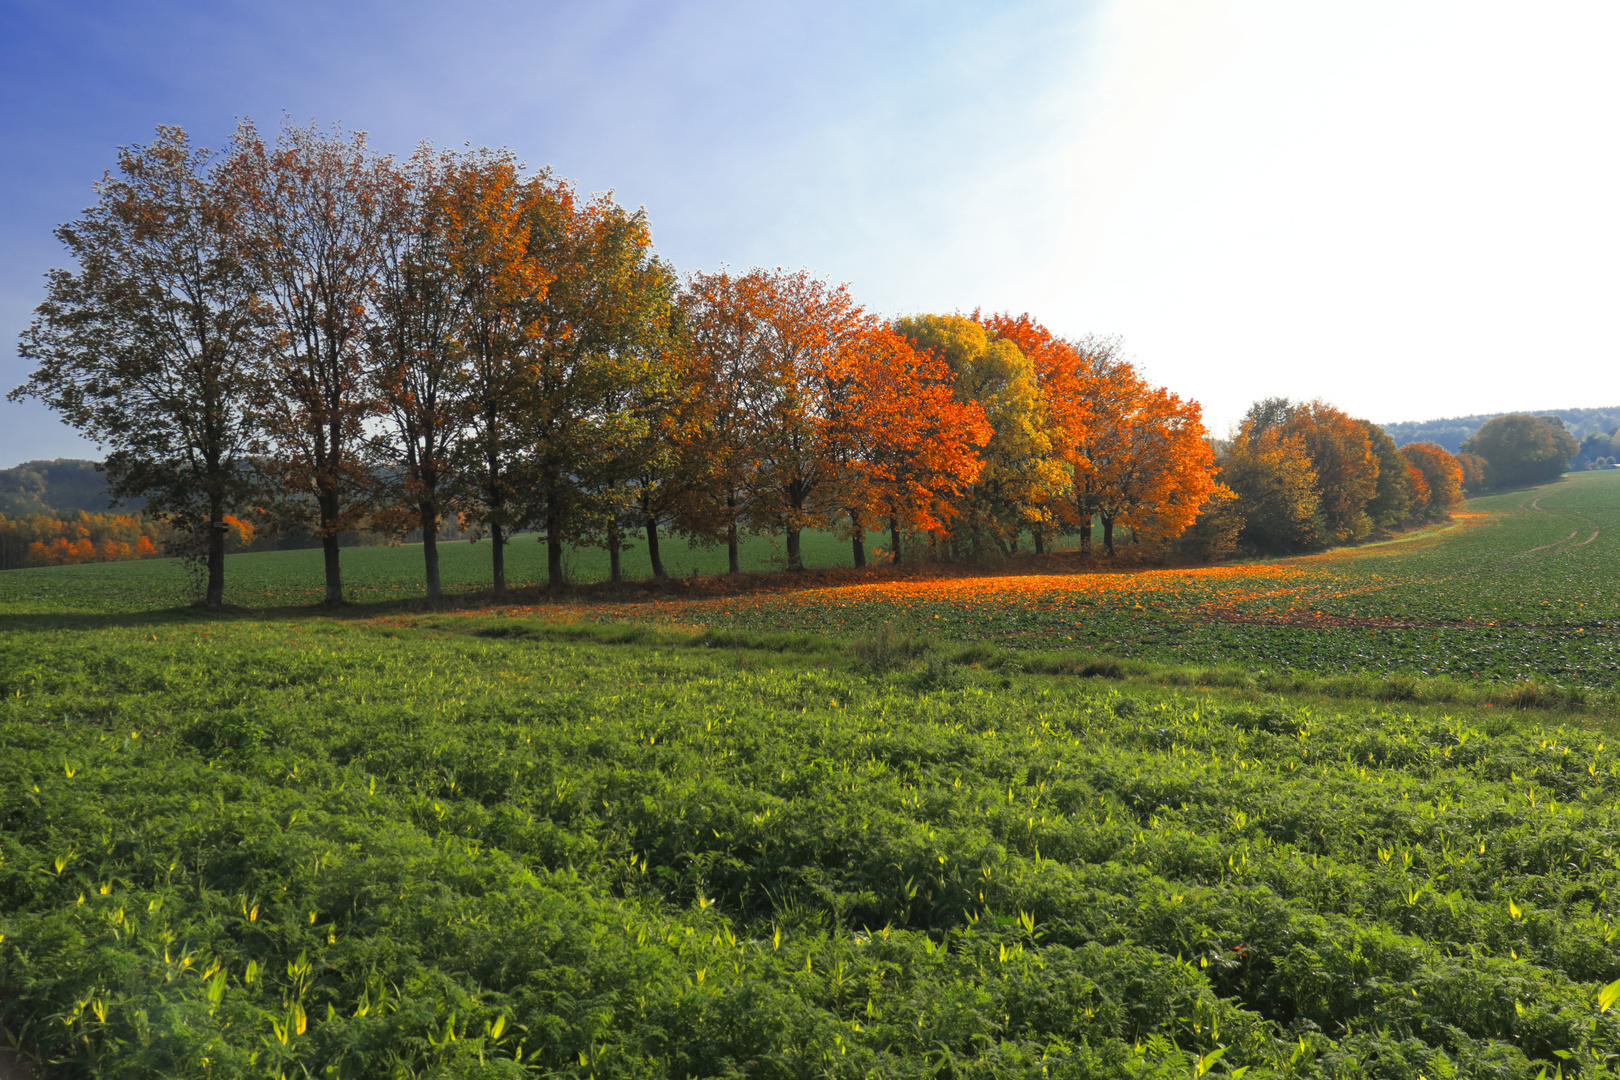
[(1522, 449), (1021, 473), (1391, 503), (591, 359), (1215, 532), (1269, 469), (152, 346), (1341, 455)]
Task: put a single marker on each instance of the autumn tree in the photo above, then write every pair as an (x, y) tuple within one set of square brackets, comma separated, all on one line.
[(1072, 378), (315, 210), (723, 342), (1522, 449), (914, 447), (1473, 467), (1160, 472), (1099, 391), (1138, 454), (151, 348), (418, 371), (1342, 459), (1442, 477), (1418, 484), (798, 399), (1021, 475), (482, 227), (596, 340), (1269, 468)]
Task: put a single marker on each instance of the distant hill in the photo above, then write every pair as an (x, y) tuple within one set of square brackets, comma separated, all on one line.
[(66, 485), (1451, 432)]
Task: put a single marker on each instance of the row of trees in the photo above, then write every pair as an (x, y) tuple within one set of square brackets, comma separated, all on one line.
[(1303, 475), (311, 332)]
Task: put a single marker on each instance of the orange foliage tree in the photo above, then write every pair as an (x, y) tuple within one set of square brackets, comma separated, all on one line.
[(1418, 484), (1139, 454), (1442, 477), (1022, 478), (1066, 375), (1161, 470), (1473, 467), (455, 277), (800, 396), (485, 216), (914, 446), (721, 345)]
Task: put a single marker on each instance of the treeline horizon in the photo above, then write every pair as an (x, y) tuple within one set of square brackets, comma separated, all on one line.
[(308, 334), (1450, 432)]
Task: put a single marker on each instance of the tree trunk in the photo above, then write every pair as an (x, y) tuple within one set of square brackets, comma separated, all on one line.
[(652, 548), (329, 546), (1085, 535), (1108, 534), (554, 553), (613, 551), (858, 541), (796, 493), (214, 597), (430, 548), (733, 555), (894, 540), (498, 538), (1040, 545), (497, 501)]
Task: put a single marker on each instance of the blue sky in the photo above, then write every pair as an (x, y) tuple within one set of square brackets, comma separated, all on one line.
[(1406, 208)]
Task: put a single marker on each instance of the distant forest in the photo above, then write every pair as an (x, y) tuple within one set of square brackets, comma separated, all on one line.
[(1450, 433), (66, 485)]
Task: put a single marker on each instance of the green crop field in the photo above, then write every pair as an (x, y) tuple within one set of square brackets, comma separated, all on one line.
[(1521, 586), (858, 830)]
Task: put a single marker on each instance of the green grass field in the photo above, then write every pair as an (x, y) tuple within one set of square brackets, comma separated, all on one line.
[(376, 574), (823, 836)]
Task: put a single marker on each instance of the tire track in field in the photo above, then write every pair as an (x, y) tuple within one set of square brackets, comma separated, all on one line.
[(1557, 546)]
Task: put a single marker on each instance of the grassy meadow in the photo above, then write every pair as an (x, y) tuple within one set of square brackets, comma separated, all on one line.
[(1349, 815)]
